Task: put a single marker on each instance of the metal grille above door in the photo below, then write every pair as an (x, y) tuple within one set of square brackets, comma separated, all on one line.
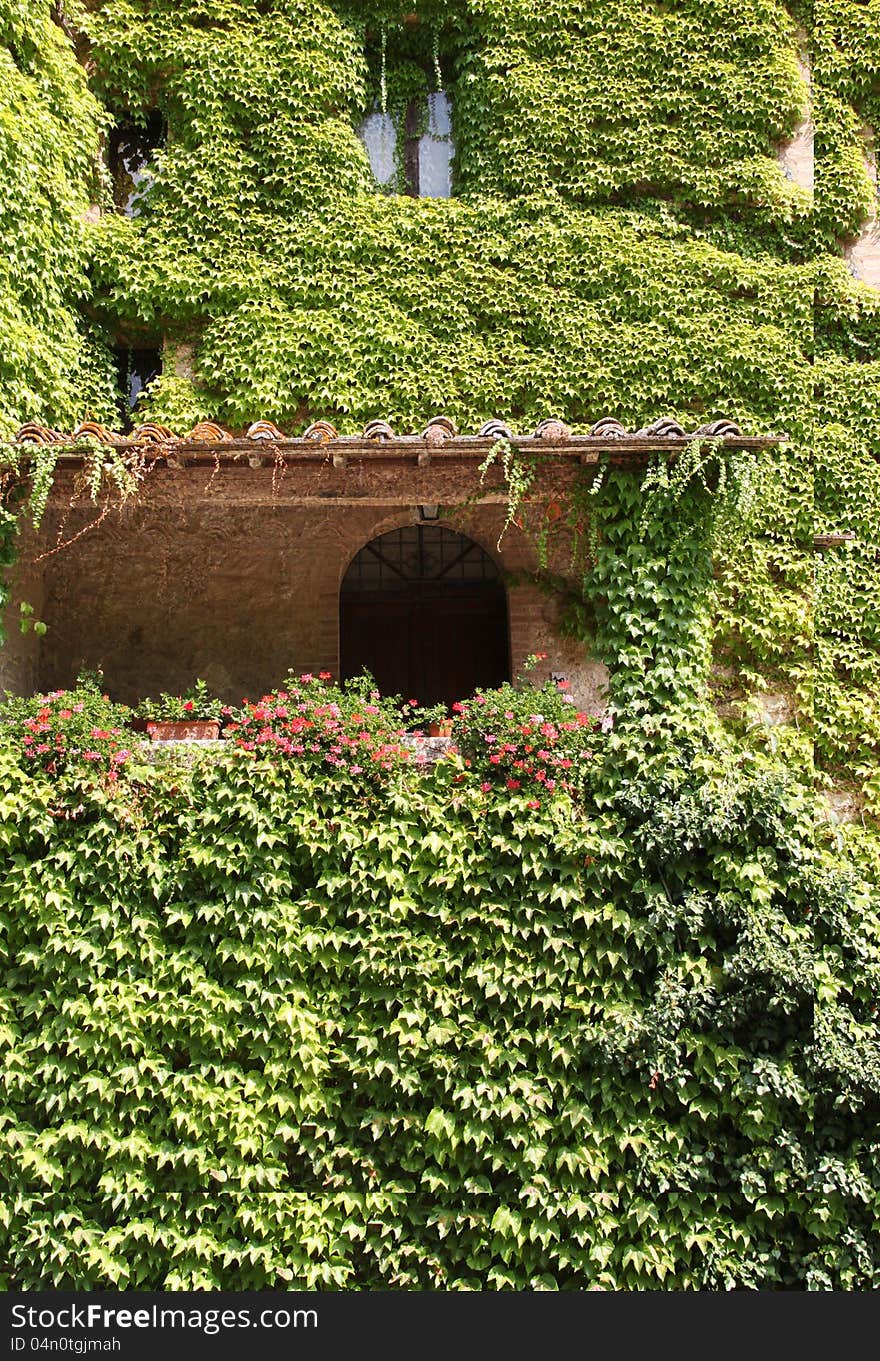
[(418, 555)]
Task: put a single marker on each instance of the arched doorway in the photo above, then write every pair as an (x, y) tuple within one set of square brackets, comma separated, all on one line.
[(424, 610)]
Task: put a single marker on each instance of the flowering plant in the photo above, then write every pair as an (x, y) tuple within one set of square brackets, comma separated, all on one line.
[(527, 738), (419, 717), (65, 732), (347, 730), (196, 703)]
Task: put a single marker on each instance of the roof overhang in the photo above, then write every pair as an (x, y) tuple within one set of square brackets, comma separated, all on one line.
[(437, 466)]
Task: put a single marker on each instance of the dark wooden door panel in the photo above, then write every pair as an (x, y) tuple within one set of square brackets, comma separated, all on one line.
[(431, 647), (377, 639)]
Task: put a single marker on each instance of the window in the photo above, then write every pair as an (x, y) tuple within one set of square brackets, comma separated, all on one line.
[(408, 133), (425, 166), (134, 369), (130, 149), (419, 555), (435, 149)]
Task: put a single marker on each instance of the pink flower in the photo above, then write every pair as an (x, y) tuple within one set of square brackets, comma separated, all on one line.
[(189, 706), (307, 677), (485, 786), (513, 784), (533, 803)]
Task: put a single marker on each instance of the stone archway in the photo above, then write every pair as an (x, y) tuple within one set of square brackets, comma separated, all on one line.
[(424, 609)]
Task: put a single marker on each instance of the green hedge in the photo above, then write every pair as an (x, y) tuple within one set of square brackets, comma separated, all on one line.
[(265, 1031)]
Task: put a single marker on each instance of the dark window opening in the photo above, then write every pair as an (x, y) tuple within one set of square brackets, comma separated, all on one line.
[(134, 369), (130, 151), (423, 609)]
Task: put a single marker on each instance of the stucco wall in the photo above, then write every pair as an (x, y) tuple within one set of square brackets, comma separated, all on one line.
[(797, 156), (863, 253)]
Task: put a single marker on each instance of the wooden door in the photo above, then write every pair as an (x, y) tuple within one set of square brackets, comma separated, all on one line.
[(423, 610), (430, 648)]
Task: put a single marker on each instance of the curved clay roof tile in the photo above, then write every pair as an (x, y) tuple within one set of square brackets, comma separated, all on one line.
[(496, 429), (608, 427), (208, 432), (154, 433), (322, 431), (378, 430), (92, 430), (552, 429), (32, 433), (263, 430), (664, 428), (721, 427), (439, 429)]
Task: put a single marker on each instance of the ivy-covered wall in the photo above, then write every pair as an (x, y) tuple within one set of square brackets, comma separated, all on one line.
[(52, 359), (622, 238), (275, 1020)]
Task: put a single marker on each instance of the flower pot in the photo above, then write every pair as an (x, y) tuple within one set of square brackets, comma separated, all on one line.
[(441, 728), (185, 730)]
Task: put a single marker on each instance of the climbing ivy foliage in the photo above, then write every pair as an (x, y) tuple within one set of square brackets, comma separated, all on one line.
[(265, 244), (53, 363), (265, 1031), (281, 1034), (845, 36)]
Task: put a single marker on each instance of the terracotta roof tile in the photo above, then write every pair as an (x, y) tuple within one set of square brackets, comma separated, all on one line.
[(439, 430)]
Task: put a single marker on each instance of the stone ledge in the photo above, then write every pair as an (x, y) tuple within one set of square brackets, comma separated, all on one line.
[(431, 749)]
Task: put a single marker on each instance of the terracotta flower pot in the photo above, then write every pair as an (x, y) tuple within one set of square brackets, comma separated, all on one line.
[(185, 730), (441, 728)]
